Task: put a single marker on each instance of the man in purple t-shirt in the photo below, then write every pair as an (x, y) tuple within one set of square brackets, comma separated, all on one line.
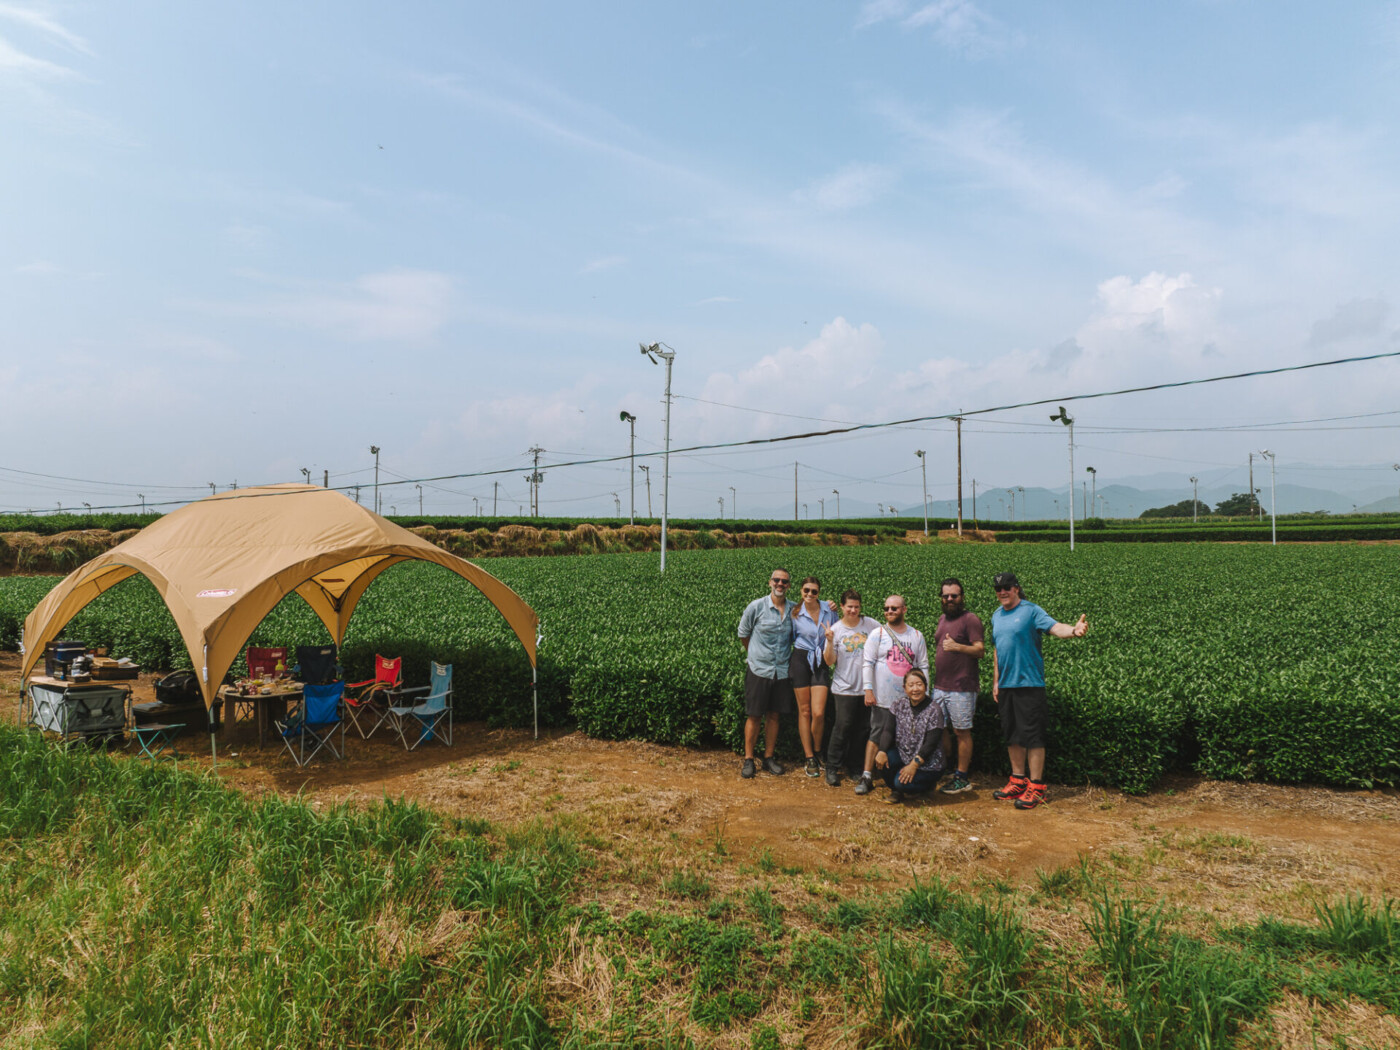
[(957, 646)]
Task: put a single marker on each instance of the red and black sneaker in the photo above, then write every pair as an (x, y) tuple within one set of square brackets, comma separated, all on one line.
[(1015, 788), (1033, 796)]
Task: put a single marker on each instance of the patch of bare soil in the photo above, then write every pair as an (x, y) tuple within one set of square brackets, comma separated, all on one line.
[(1238, 849)]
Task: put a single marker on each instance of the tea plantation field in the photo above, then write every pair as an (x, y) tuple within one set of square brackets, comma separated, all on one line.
[(1243, 662)]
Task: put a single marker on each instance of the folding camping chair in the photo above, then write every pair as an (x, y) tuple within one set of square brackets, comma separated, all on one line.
[(312, 725), (428, 716), (316, 664), (368, 701)]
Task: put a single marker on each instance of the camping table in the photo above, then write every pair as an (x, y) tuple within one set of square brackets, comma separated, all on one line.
[(75, 709), (266, 706)]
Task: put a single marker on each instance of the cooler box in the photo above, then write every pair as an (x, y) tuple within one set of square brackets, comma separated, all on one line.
[(80, 711)]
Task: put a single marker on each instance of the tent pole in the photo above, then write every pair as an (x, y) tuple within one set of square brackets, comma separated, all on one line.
[(535, 678), (213, 750)]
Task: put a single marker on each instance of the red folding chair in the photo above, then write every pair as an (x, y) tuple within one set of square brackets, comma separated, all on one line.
[(368, 700)]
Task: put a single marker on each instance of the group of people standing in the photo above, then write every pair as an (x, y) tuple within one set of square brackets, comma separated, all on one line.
[(887, 718)]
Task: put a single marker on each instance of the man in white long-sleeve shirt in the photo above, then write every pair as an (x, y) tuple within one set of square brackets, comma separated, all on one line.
[(889, 654)]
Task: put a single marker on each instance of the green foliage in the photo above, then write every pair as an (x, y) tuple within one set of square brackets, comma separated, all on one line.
[(1238, 661), (1241, 504), (1187, 508)]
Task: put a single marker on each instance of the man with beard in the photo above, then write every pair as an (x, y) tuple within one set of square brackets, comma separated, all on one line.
[(1018, 686), (890, 652), (958, 645)]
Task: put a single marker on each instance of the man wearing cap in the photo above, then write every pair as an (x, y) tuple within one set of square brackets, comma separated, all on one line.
[(765, 630), (1018, 686)]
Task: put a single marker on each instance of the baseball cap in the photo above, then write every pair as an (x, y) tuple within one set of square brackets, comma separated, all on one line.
[(1005, 579)]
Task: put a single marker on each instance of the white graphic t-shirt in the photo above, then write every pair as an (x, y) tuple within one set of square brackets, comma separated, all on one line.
[(888, 657), (849, 644)]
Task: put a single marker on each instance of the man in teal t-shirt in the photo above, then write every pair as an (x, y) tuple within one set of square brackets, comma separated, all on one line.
[(1018, 686)]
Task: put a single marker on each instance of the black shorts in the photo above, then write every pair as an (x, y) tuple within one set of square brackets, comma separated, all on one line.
[(1024, 711), (767, 696), (802, 674), (881, 723)]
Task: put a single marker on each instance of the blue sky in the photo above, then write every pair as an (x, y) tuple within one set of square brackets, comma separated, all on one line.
[(237, 240)]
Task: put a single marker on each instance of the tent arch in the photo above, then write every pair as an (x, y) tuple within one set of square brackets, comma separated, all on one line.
[(222, 563)]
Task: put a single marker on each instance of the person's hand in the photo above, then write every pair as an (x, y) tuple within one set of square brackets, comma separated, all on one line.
[(950, 646), (882, 760), (830, 633), (906, 775), (831, 604), (1081, 628), (870, 698), (996, 694)]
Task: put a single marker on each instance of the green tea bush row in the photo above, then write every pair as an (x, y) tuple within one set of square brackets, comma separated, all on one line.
[(1241, 661)]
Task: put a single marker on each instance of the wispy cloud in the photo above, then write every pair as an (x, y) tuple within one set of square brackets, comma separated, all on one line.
[(407, 305), (958, 25), (851, 187), (717, 299), (602, 262), (35, 19)]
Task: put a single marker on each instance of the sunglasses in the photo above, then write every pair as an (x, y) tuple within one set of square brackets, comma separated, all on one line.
[(777, 579), (893, 608), (810, 590), (950, 597), (999, 590)]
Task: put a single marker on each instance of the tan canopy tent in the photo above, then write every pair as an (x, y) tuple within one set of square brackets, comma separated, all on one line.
[(222, 563)]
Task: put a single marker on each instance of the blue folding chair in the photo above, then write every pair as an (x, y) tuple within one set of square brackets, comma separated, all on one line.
[(428, 717), (313, 724)]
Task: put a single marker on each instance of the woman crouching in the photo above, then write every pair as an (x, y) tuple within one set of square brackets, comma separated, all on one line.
[(917, 734)]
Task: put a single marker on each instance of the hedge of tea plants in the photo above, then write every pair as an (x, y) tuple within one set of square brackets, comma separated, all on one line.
[(1244, 662)]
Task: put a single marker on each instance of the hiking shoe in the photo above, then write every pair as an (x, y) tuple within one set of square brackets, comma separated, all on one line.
[(772, 765), (1015, 787), (750, 768), (956, 786), (896, 797), (864, 785), (814, 768), (833, 776), (1033, 796)]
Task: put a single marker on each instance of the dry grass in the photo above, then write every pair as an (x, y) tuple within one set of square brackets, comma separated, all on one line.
[(1300, 1023)]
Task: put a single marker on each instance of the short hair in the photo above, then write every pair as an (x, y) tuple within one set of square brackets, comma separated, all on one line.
[(782, 570), (952, 581), (917, 671), (812, 579), (849, 594)]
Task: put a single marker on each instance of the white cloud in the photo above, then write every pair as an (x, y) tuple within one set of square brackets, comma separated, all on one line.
[(28, 68), (397, 305), (602, 262), (717, 299), (35, 19), (958, 25), (851, 187)]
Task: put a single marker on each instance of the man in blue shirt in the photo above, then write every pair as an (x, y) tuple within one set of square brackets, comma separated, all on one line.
[(765, 630), (1018, 686)]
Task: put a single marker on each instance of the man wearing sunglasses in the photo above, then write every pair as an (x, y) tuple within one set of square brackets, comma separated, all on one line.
[(890, 653), (765, 630), (1018, 685)]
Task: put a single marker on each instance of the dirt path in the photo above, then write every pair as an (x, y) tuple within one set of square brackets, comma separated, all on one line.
[(1215, 845)]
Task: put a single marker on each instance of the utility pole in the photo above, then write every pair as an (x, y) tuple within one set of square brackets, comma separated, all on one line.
[(794, 491), (420, 499), (959, 420), (1193, 499), (1251, 483), (306, 474), (822, 501), (923, 470), (1084, 492), (838, 503), (646, 472), (1273, 497), (733, 504), (476, 507), (1025, 514), (1012, 494), (1395, 466), (669, 356), (374, 451), (1068, 420), (617, 504), (974, 503), (1095, 493), (142, 497), (495, 492), (631, 421), (721, 507), (805, 512), (326, 478), (534, 479), (213, 489), (357, 492)]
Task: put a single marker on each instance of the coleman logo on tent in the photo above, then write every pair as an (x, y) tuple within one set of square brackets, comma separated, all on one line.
[(222, 592)]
